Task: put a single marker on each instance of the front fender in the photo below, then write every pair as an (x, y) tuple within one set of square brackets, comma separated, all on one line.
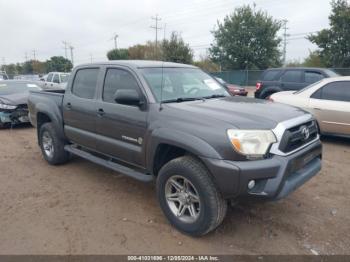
[(188, 142)]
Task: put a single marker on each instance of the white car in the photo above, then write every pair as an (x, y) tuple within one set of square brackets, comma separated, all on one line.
[(328, 100), (56, 80)]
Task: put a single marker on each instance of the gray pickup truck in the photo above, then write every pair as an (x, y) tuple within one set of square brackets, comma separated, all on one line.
[(177, 125)]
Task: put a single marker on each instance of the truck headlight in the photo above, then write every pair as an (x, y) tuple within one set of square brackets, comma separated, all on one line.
[(252, 143), (5, 106)]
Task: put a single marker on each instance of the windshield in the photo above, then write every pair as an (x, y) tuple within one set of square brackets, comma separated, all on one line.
[(182, 84), (8, 88), (64, 78), (308, 87)]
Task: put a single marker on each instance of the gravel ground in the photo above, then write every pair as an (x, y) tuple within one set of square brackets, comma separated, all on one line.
[(82, 208)]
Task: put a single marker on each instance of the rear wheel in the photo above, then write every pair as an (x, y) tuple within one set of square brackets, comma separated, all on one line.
[(52, 146), (188, 196)]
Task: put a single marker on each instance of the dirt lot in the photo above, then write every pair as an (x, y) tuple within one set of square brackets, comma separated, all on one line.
[(81, 208)]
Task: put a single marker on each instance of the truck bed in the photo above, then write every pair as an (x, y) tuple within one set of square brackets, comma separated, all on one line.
[(45, 101)]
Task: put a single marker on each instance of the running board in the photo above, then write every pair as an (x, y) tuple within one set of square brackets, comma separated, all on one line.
[(109, 164)]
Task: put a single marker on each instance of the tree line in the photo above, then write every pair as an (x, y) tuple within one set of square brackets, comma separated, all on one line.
[(245, 39), (54, 64), (248, 39)]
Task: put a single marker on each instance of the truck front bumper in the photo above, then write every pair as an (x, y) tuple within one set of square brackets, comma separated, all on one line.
[(274, 178)]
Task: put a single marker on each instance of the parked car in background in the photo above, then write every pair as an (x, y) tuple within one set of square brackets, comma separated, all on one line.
[(175, 124), (13, 101), (328, 100), (284, 79), (234, 90), (56, 80), (3, 76)]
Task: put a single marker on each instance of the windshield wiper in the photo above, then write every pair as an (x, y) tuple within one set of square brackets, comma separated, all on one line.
[(214, 96), (182, 99)]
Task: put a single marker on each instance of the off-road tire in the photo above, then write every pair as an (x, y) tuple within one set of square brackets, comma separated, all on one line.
[(60, 156), (213, 205)]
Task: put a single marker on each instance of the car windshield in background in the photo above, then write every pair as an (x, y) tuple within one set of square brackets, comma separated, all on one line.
[(7, 88), (182, 84), (64, 78)]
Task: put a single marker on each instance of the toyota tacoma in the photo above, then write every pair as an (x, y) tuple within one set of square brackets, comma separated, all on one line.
[(177, 125)]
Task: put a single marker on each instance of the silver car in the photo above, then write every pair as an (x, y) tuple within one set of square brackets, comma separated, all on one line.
[(328, 100)]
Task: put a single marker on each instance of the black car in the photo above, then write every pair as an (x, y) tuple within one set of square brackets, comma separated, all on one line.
[(284, 79), (13, 101)]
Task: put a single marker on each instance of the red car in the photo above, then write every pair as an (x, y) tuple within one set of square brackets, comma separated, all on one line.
[(234, 90)]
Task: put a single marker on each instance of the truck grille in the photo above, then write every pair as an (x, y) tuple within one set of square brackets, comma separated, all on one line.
[(297, 136)]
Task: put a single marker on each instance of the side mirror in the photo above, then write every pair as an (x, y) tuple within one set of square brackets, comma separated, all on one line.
[(127, 97)]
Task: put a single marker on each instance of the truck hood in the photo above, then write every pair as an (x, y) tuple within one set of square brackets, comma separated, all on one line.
[(241, 112), (15, 99)]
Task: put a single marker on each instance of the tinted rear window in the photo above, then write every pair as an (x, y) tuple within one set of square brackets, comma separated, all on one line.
[(271, 75), (292, 76), (337, 91), (85, 81)]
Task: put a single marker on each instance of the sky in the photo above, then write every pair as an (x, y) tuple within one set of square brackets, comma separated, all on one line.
[(89, 26)]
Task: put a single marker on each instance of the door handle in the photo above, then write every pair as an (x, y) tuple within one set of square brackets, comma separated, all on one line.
[(69, 106), (100, 112)]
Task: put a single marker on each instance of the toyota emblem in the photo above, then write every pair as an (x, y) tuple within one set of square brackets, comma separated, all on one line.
[(305, 132)]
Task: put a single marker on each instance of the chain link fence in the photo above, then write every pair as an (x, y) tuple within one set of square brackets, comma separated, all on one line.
[(250, 77)]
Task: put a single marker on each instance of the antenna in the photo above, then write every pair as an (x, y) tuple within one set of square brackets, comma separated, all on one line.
[(161, 88)]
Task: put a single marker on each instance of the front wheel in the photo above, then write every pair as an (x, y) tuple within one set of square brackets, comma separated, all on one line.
[(52, 146), (189, 198)]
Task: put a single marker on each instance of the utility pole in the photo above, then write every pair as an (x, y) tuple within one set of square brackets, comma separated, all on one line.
[(34, 54), (285, 35), (65, 48), (164, 31), (71, 54), (115, 37), (156, 27)]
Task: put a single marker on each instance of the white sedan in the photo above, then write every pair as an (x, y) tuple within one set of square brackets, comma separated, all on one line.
[(328, 100)]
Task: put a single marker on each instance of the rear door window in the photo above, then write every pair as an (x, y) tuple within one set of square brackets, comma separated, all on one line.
[(312, 77), (270, 75), (85, 82), (292, 76), (56, 79), (337, 91)]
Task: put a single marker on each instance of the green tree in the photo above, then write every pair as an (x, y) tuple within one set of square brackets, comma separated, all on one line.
[(314, 60), (247, 39), (334, 43), (59, 64), (10, 69), (207, 65), (118, 54), (145, 52), (176, 50)]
